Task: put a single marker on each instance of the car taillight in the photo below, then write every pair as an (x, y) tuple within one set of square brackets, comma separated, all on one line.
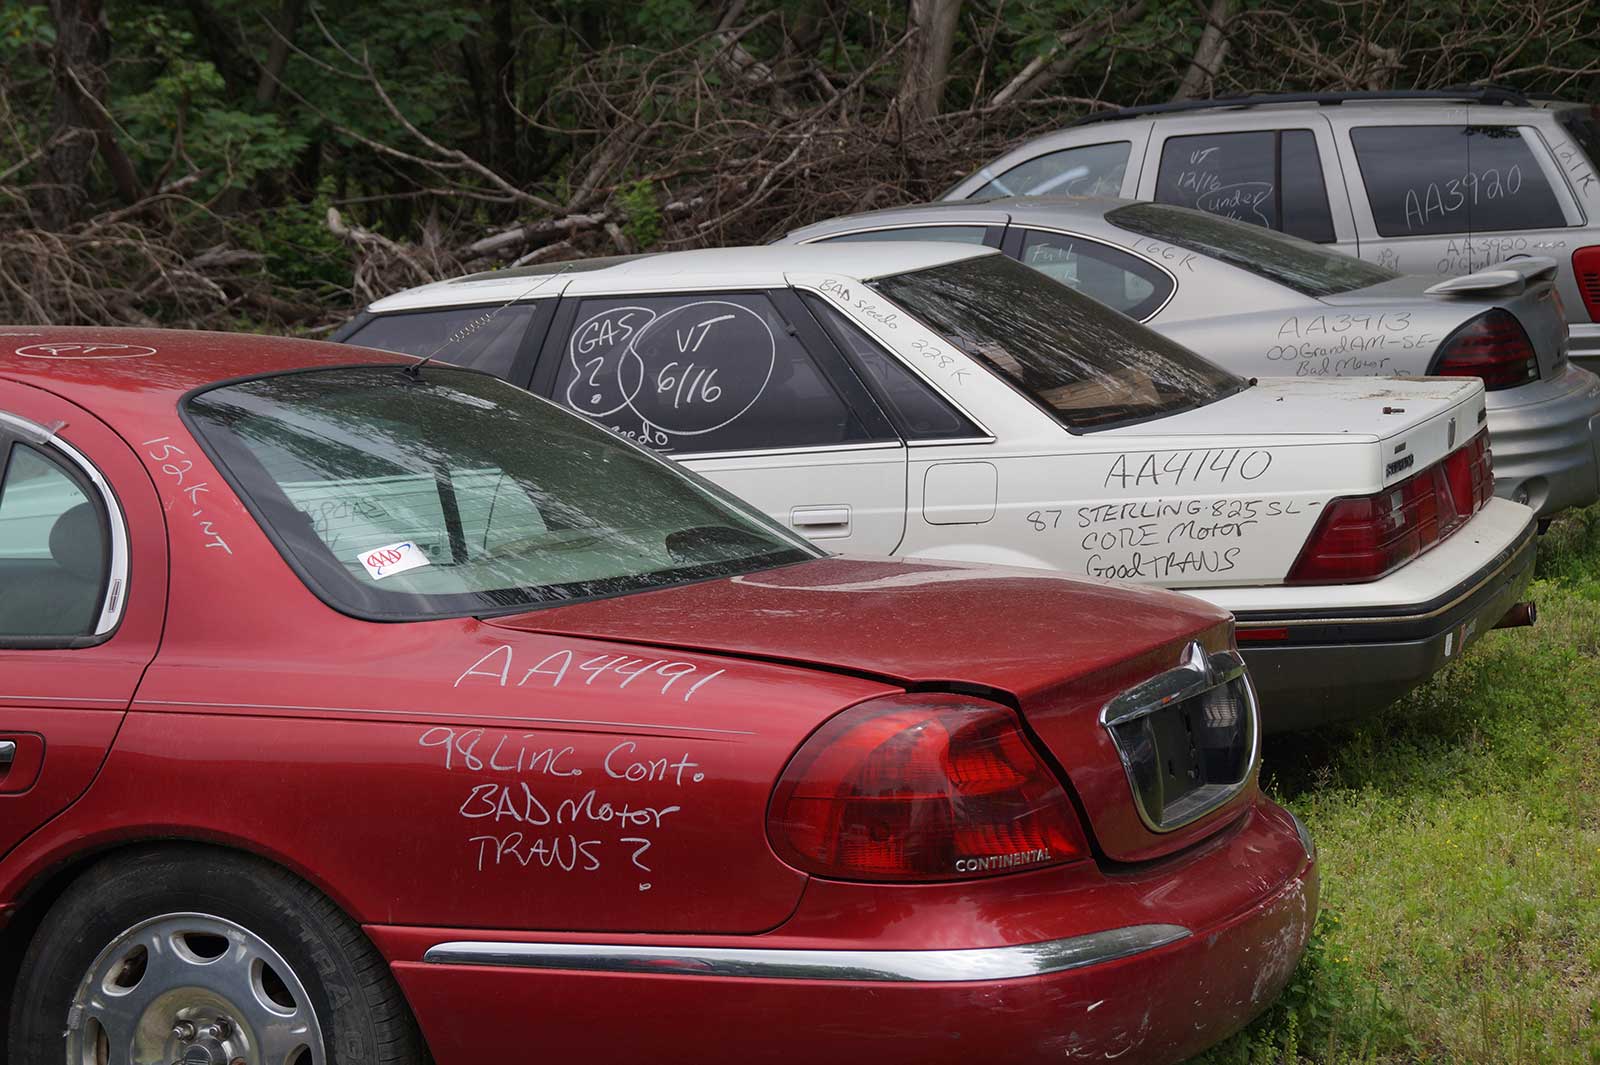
[(1492, 346), (1361, 538), (921, 787), (1586, 270)]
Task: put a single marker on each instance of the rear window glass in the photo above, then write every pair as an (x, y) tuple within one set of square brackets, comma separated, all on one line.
[(1422, 180), (1278, 257), (1092, 170), (451, 493), (1085, 363), (482, 338)]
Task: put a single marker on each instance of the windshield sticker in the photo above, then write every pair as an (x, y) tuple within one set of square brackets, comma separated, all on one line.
[(390, 559), (59, 349)]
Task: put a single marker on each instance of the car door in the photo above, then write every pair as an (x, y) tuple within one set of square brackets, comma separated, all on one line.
[(1435, 193), (1259, 168), (743, 387), (82, 591)]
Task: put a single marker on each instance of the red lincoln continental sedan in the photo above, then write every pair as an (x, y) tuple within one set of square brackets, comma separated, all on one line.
[(358, 710)]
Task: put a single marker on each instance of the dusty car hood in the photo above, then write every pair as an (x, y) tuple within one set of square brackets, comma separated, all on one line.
[(910, 620)]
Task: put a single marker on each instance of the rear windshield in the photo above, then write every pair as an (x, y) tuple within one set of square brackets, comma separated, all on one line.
[(1085, 363), (1289, 261), (452, 493)]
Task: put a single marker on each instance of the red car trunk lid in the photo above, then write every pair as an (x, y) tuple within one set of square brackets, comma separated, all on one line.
[(1059, 647)]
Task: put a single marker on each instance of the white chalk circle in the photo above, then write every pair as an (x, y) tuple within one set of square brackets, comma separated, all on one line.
[(84, 350), (698, 367)]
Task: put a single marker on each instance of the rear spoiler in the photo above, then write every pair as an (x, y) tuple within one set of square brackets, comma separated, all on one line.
[(1505, 279)]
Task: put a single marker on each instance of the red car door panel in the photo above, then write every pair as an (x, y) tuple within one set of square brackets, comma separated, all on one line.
[(61, 706)]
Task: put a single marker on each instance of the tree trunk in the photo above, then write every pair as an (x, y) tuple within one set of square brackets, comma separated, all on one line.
[(79, 122), (1200, 79), (278, 52), (927, 62), (503, 90)]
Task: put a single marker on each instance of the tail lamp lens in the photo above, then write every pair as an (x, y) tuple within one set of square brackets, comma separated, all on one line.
[(1361, 538), (1586, 271), (921, 787), (1492, 346)]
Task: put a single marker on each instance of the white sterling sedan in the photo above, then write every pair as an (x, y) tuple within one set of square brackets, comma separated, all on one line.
[(942, 400)]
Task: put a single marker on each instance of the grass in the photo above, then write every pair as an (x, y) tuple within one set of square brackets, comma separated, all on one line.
[(1459, 833)]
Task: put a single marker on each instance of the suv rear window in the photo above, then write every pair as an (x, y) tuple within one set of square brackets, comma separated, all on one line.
[(1289, 261), (1088, 365), (453, 493), (1423, 180)]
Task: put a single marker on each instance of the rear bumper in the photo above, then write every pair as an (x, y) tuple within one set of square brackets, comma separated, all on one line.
[(1547, 453), (1235, 919), (1328, 666)]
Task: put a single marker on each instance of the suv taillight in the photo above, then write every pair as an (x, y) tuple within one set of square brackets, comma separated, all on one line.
[(1586, 271), (1361, 538), (921, 787), (1492, 346)]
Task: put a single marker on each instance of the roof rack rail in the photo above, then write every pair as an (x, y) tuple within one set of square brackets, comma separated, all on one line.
[(1482, 94)]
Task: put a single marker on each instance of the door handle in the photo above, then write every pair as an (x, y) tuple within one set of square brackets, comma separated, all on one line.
[(821, 522), (8, 753)]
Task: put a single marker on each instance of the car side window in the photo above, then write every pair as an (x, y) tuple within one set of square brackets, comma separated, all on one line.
[(1302, 187), (922, 413), (698, 373), (1092, 170), (53, 550), (1267, 177), (1231, 174), (1121, 281), (953, 234), (1424, 180), (482, 338)]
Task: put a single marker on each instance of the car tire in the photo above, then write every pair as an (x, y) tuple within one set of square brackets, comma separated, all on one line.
[(224, 923)]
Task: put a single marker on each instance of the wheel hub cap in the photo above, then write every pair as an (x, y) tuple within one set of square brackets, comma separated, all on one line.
[(192, 989)]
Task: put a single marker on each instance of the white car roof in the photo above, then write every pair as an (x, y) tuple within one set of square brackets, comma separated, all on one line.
[(751, 267)]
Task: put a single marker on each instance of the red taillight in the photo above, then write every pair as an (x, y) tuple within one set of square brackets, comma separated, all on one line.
[(1362, 538), (1586, 270), (921, 787), (1492, 346)]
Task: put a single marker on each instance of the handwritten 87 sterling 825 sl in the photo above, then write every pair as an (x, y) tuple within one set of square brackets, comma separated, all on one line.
[(943, 401), (361, 710)]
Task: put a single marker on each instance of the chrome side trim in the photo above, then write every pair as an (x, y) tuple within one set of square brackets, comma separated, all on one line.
[(1197, 673), (854, 966), (42, 436)]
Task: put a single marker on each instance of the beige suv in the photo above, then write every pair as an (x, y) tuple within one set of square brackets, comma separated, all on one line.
[(1443, 182)]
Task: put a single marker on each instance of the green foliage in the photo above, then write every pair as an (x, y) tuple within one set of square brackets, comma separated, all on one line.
[(638, 203), (299, 251), (1460, 851)]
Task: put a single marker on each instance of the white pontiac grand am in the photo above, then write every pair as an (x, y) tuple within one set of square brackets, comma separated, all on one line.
[(941, 400)]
